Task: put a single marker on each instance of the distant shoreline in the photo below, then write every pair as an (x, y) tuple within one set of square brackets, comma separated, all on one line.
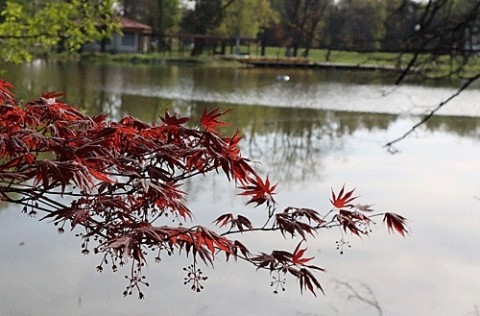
[(319, 59), (307, 63)]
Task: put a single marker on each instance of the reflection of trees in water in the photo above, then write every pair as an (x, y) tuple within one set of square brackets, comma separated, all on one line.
[(295, 155), (294, 141), (116, 90), (475, 312), (459, 125), (359, 294), (355, 298), (3, 206)]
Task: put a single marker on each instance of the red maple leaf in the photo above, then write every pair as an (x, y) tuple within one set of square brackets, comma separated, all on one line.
[(297, 257), (259, 191), (396, 222), (342, 200), (210, 122), (6, 95), (223, 220), (174, 119), (100, 176)]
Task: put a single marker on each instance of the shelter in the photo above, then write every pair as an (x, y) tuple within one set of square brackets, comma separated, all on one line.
[(135, 38)]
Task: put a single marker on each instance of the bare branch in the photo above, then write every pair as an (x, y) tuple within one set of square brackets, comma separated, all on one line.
[(427, 117)]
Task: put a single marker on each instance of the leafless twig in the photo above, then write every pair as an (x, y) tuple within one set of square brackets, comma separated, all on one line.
[(427, 117)]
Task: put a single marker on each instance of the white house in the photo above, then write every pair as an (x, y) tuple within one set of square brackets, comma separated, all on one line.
[(135, 38)]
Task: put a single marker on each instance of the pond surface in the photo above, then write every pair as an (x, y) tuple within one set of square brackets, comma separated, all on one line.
[(318, 131)]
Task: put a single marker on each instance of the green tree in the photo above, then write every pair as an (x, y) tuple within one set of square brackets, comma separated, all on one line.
[(55, 24), (206, 16), (446, 40), (401, 18), (163, 15), (246, 18), (362, 23), (302, 20)]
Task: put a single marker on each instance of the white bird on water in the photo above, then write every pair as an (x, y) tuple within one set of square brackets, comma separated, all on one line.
[(283, 78)]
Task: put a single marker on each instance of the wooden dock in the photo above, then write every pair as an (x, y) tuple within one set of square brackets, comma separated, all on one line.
[(289, 62), (280, 62)]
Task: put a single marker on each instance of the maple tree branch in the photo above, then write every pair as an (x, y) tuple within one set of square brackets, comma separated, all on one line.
[(256, 229), (334, 222), (118, 180), (26, 203)]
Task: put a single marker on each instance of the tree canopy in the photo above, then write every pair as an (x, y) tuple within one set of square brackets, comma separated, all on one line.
[(64, 25), (408, 26)]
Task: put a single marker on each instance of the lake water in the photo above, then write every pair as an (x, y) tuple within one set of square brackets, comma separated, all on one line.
[(318, 131)]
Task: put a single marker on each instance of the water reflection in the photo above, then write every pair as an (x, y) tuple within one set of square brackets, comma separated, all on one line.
[(354, 293), (294, 139), (313, 89)]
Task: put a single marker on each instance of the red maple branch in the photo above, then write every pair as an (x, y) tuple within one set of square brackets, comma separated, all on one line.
[(124, 181)]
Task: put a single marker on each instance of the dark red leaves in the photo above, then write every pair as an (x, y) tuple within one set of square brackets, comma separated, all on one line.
[(308, 281), (100, 176), (210, 120), (238, 246), (224, 220), (396, 223), (289, 225), (173, 120), (240, 222), (259, 191), (293, 264), (297, 257), (342, 200), (298, 221), (51, 97), (52, 94), (201, 242), (127, 246), (6, 96), (304, 213), (267, 261), (354, 222)]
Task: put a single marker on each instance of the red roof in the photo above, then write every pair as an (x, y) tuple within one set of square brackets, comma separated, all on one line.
[(128, 24)]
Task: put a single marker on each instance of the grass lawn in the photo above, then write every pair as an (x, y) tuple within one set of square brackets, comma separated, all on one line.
[(432, 66)]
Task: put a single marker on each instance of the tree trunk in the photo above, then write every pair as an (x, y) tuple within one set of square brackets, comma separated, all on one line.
[(327, 55), (224, 48), (237, 46), (262, 51), (263, 42), (103, 45), (295, 49), (198, 46)]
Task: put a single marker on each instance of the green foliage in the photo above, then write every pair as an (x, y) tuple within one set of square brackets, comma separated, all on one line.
[(357, 24), (206, 16), (170, 14), (57, 25), (245, 18), (163, 15), (303, 20)]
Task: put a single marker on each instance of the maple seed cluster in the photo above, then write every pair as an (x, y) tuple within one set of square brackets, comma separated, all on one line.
[(194, 276), (119, 184)]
